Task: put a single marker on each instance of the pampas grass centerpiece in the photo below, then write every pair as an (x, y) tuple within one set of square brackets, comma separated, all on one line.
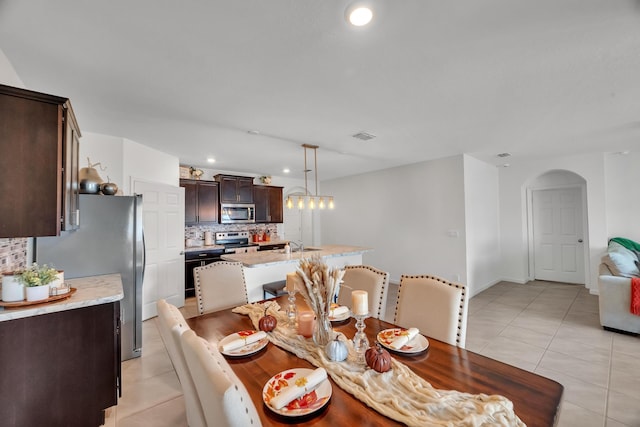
[(321, 284)]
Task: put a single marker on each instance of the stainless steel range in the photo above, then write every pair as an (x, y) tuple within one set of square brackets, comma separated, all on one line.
[(235, 242)]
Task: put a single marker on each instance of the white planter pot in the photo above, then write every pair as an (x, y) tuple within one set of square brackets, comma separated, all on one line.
[(12, 289), (37, 293)]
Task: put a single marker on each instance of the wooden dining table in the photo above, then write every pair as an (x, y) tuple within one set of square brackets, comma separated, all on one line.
[(536, 399)]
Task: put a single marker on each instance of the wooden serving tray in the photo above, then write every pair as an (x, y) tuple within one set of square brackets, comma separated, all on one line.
[(25, 303)]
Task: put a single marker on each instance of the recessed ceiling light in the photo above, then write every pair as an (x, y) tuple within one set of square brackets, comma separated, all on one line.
[(359, 15), (211, 160), (286, 170)]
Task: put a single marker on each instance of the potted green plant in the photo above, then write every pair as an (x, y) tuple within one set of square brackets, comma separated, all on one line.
[(36, 279)]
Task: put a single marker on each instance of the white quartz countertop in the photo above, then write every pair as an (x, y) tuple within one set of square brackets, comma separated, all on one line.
[(266, 258), (92, 290)]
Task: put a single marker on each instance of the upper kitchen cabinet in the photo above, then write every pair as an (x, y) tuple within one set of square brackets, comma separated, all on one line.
[(235, 189), (200, 201), (39, 164), (268, 201)]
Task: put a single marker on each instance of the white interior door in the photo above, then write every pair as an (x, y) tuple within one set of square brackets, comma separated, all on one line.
[(163, 222), (558, 235)]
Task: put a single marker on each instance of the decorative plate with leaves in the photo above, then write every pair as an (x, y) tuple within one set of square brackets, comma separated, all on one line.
[(305, 405)]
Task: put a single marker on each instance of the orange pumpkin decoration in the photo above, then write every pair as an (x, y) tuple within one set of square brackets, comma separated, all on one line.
[(378, 358), (267, 322)]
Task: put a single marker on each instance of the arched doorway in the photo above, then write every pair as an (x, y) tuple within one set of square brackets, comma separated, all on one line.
[(557, 227)]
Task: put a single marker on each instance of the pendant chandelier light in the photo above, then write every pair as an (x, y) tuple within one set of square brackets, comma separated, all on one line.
[(308, 200)]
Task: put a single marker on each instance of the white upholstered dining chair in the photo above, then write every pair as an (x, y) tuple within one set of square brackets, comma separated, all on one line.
[(366, 278), (435, 306), (219, 286), (171, 325), (225, 400)]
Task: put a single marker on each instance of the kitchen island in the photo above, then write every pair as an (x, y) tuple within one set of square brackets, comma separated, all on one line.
[(270, 266), (60, 361)]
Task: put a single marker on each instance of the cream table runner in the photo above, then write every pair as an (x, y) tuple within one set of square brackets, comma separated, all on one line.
[(399, 394)]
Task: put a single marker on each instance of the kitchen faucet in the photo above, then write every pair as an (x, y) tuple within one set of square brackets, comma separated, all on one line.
[(299, 245)]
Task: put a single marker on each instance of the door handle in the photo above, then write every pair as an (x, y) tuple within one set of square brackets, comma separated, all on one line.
[(579, 240)]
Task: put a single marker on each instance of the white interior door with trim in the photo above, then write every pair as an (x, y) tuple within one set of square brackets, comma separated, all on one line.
[(558, 235), (163, 223)]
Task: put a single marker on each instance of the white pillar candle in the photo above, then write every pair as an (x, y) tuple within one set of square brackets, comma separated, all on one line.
[(292, 282), (360, 302)]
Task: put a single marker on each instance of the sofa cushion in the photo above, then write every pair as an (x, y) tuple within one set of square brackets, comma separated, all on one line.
[(621, 261)]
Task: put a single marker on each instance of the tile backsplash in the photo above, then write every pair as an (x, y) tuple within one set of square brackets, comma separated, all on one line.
[(197, 231), (13, 254)]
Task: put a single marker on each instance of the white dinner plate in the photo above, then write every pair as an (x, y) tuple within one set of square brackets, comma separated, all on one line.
[(246, 350), (340, 318), (283, 379), (417, 345)]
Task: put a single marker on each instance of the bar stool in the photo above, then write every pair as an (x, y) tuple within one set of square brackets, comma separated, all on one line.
[(274, 288)]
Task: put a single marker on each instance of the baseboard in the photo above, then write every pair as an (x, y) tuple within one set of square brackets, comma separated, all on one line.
[(518, 281)]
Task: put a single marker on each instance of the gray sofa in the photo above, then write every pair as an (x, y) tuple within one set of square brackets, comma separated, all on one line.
[(615, 299)]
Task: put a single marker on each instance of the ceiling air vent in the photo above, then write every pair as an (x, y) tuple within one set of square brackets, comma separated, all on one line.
[(364, 136)]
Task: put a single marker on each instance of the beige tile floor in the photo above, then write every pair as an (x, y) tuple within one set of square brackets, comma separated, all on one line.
[(548, 328)]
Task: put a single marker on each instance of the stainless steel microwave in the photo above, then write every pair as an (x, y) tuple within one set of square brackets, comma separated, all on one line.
[(237, 213)]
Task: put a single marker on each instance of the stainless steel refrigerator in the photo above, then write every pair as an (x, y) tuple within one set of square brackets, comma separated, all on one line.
[(109, 240)]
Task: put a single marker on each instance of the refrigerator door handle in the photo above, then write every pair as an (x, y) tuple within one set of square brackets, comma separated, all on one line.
[(144, 255)]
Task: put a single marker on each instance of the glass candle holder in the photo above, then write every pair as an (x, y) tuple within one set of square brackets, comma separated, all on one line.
[(292, 310), (360, 341)]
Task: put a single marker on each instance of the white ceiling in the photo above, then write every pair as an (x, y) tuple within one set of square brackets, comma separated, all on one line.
[(429, 78)]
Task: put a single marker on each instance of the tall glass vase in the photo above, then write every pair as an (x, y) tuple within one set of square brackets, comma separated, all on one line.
[(322, 333)]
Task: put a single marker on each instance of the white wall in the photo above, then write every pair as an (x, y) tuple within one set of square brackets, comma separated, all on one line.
[(123, 161), (147, 164), (622, 175), (513, 212), (404, 214), (106, 150), (8, 75), (482, 225)]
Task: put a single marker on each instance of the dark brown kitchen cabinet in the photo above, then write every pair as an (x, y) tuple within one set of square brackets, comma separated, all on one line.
[(235, 189), (268, 201), (60, 369), (39, 136), (200, 201)]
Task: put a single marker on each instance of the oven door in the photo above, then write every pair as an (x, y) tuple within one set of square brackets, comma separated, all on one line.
[(237, 213)]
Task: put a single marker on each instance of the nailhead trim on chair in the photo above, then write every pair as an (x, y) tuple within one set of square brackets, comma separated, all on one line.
[(438, 279), (385, 282), (198, 287), (246, 409)]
